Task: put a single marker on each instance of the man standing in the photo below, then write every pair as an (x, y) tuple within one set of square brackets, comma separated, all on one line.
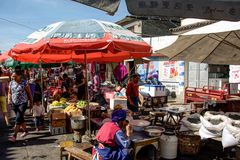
[(80, 83), (133, 94)]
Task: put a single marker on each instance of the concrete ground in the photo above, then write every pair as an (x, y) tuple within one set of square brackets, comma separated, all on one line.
[(35, 146), (43, 146)]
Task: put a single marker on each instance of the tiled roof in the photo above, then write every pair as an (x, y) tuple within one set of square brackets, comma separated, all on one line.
[(186, 28)]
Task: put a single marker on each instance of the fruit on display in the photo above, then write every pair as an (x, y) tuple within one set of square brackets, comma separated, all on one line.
[(63, 100), (71, 108), (81, 104), (56, 103)]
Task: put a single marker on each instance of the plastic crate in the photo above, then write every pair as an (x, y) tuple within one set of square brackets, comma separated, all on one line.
[(57, 130)]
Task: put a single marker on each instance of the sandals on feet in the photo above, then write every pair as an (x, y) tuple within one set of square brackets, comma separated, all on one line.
[(12, 139), (24, 134)]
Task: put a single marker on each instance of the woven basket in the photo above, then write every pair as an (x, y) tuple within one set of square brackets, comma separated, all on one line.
[(188, 143)]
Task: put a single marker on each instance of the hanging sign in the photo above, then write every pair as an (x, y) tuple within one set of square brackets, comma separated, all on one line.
[(109, 6), (204, 9)]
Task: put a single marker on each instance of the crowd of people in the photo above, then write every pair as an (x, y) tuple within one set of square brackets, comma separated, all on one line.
[(22, 89)]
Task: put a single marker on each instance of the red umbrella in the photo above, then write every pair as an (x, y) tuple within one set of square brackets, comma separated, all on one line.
[(4, 57), (69, 41), (80, 41)]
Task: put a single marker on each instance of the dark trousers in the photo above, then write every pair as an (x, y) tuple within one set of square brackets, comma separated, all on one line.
[(19, 111), (39, 121)]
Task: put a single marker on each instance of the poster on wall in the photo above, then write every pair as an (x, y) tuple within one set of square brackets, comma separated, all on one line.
[(168, 71), (152, 70), (234, 74), (181, 73), (171, 74)]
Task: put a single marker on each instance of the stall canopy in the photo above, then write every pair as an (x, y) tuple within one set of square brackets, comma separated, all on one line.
[(71, 41), (11, 63), (7, 61), (217, 43)]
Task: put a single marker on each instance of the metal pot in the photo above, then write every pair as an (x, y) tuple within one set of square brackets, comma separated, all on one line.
[(78, 122)]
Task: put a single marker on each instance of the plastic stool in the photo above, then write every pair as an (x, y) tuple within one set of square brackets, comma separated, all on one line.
[(64, 144)]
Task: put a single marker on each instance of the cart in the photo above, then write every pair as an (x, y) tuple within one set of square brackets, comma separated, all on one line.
[(226, 99)]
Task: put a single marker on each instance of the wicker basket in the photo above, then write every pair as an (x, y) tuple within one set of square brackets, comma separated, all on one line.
[(188, 143)]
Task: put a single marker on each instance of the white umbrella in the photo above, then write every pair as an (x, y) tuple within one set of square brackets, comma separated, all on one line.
[(217, 43)]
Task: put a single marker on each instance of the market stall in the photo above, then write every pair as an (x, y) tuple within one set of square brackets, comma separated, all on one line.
[(83, 42)]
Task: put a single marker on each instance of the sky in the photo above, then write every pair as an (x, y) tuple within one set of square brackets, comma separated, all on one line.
[(38, 13)]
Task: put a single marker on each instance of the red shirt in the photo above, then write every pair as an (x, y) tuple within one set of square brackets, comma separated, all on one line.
[(132, 89)]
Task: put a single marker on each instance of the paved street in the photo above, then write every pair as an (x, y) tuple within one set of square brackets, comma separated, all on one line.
[(35, 146)]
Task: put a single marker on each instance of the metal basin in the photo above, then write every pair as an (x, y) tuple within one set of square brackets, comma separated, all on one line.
[(154, 131), (78, 122)]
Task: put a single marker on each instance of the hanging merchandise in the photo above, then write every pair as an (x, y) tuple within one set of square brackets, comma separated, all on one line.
[(120, 72)]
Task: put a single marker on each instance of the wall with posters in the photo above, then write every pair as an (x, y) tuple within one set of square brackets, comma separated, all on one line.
[(171, 74)]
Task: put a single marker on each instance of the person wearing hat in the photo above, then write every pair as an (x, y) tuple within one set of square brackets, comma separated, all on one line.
[(113, 142)]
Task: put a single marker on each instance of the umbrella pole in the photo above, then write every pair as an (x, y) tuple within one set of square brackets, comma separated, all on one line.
[(87, 98)]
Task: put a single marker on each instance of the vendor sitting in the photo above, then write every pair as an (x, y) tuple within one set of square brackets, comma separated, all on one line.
[(113, 143)]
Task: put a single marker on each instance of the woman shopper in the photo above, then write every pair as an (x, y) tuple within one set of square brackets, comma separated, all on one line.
[(18, 95)]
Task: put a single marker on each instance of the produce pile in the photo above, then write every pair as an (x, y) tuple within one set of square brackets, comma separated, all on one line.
[(81, 104), (235, 124), (215, 121), (71, 109), (234, 117), (58, 104), (195, 120)]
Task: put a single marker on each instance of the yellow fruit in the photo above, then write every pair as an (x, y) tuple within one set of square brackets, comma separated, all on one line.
[(56, 103)]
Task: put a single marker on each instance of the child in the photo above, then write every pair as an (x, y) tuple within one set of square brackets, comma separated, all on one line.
[(38, 114)]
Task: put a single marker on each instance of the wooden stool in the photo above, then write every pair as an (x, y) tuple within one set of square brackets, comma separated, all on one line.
[(78, 152), (64, 144), (157, 115)]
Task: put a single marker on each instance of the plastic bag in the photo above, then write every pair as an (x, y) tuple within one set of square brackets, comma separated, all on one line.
[(191, 125), (228, 139), (217, 128)]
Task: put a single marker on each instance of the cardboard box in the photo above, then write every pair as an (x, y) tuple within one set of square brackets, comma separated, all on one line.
[(57, 114), (118, 101), (58, 123)]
